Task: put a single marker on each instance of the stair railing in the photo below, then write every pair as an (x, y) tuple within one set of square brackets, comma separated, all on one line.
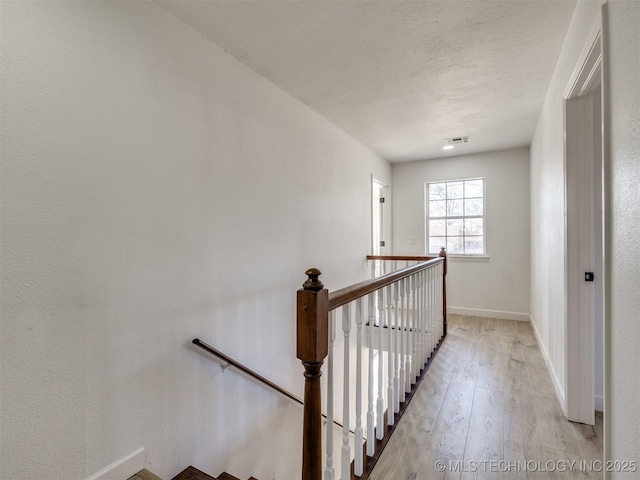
[(234, 363), (383, 264), (230, 362), (404, 315)]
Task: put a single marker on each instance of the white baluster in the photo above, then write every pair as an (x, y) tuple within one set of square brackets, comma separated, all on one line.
[(436, 306), (432, 317), (440, 299), (434, 295), (359, 433), (414, 329), (436, 327), (420, 322), (440, 276), (380, 404), (396, 351), (425, 293), (405, 339), (346, 448), (436, 302), (371, 417), (328, 471), (390, 359), (428, 293), (425, 319)]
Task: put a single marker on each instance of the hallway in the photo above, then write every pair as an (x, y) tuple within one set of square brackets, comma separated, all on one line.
[(487, 409)]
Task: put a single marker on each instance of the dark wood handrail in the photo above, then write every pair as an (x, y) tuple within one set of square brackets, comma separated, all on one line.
[(408, 258), (234, 363), (353, 292), (247, 370)]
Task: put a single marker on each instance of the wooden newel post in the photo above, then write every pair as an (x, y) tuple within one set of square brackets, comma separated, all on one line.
[(312, 349), (443, 253)]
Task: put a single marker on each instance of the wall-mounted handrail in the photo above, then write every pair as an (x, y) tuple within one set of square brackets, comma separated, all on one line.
[(234, 363), (246, 370)]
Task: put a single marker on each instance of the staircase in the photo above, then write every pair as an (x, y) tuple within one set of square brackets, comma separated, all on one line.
[(192, 473), (404, 314)]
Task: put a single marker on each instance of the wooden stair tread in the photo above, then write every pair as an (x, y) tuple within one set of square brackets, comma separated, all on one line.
[(145, 475), (192, 473), (226, 476)]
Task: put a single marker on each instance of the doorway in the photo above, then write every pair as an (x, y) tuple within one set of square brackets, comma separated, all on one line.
[(379, 218), (584, 247)]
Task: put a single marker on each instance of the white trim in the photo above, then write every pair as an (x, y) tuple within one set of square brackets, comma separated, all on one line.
[(479, 312), (122, 469), (607, 228), (587, 72), (552, 373)]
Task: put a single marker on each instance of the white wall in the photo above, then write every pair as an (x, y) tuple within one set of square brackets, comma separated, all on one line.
[(498, 286), (622, 414), (547, 202), (154, 190)]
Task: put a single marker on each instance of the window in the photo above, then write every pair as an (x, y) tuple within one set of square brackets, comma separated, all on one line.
[(455, 217)]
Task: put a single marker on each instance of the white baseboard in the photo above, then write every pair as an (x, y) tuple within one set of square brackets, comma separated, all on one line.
[(554, 377), (478, 312), (122, 469)]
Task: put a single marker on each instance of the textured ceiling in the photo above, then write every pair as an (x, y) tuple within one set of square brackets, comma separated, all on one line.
[(400, 76)]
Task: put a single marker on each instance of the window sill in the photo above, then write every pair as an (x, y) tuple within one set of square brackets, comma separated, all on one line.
[(469, 258)]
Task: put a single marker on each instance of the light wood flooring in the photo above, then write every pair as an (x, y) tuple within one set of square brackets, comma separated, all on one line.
[(487, 409)]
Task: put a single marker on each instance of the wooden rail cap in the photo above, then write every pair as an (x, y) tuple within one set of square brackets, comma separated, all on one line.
[(401, 258), (337, 298)]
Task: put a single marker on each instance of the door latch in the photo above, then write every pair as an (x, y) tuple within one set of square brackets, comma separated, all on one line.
[(588, 276)]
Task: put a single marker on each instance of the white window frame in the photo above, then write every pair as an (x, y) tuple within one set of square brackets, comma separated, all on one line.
[(479, 256)]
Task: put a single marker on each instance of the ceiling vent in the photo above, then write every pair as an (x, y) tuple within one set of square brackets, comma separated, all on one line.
[(456, 140)]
